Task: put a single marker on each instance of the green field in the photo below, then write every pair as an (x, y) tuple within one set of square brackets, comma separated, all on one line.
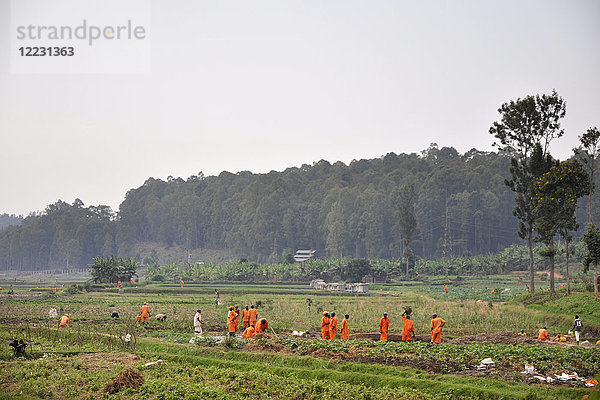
[(80, 361)]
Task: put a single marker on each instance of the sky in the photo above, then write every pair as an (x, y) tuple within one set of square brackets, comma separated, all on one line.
[(266, 85)]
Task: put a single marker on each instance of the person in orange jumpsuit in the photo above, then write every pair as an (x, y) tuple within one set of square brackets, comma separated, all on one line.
[(436, 328), (408, 328), (131, 281), (119, 285), (231, 321), (332, 326), (543, 334), (145, 310), (522, 333), (344, 331), (249, 332), (325, 325), (181, 282), (252, 315), (245, 318), (64, 321), (445, 289), (262, 325), (384, 324)]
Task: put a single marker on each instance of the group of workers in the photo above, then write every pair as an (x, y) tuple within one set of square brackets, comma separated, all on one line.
[(329, 324), (251, 325), (329, 327), (544, 335)]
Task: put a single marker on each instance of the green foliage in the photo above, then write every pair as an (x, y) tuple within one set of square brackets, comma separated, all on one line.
[(340, 210), (592, 242), (113, 269)]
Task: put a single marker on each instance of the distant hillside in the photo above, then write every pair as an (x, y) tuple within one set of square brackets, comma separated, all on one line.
[(462, 207)]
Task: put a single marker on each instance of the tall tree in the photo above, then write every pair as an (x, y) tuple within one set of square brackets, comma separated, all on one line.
[(555, 204), (592, 242), (590, 147), (527, 123), (407, 218)]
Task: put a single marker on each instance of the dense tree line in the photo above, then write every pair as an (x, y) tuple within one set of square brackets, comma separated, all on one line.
[(461, 206), (10, 219)]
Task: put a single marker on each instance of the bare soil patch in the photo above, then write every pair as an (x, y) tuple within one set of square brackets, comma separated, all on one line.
[(96, 361), (503, 338)]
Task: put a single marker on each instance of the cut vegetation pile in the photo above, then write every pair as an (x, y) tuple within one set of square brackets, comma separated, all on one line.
[(127, 378)]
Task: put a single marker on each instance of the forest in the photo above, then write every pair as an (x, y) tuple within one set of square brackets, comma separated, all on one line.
[(461, 206)]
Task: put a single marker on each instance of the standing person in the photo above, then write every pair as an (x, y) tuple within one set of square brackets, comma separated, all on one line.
[(384, 324), (64, 321), (245, 317), (332, 326), (131, 281), (344, 331), (145, 310), (436, 328), (445, 288), (231, 321), (577, 328), (217, 300), (325, 325), (408, 327), (236, 318), (252, 315), (181, 282), (198, 322)]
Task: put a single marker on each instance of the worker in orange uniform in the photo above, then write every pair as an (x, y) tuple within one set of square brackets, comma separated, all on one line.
[(445, 288), (325, 325), (245, 318), (332, 326), (344, 331), (119, 285), (543, 334), (145, 311), (384, 324), (408, 327), (252, 315), (436, 328), (131, 281), (181, 282), (522, 333), (64, 321), (249, 332), (262, 325), (231, 321)]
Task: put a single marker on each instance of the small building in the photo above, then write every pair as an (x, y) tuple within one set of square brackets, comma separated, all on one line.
[(362, 288), (336, 287), (304, 255), (318, 284)]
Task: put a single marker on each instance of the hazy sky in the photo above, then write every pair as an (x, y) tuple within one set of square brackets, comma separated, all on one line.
[(266, 85)]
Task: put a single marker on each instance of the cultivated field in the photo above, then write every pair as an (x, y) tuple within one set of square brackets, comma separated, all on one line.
[(83, 361)]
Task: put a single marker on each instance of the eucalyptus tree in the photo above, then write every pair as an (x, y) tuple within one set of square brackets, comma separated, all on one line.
[(524, 124), (555, 204), (590, 149), (407, 219), (592, 257)]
